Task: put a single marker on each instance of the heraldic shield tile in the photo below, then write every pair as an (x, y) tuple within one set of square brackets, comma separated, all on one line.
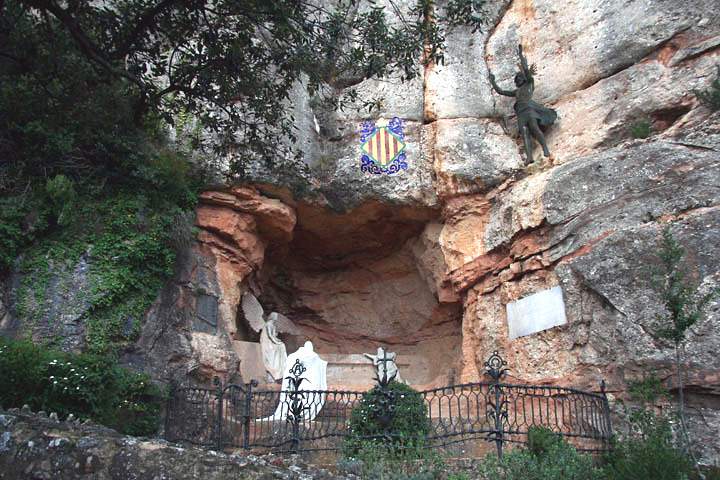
[(383, 146)]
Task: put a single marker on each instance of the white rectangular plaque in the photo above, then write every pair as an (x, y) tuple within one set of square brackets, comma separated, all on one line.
[(540, 311)]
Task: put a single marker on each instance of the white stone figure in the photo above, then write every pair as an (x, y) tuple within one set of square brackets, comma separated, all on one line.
[(274, 354), (385, 364), (314, 378)]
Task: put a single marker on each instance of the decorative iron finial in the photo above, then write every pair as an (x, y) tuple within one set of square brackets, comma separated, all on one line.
[(298, 368), (495, 366)]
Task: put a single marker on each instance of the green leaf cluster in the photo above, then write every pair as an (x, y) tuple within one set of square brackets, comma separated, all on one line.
[(682, 301), (647, 390), (88, 386), (406, 430), (641, 129)]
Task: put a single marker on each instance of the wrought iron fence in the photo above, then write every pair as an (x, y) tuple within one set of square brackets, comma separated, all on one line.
[(241, 416)]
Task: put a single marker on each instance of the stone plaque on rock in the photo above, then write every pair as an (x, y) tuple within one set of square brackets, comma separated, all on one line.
[(540, 311), (207, 313)]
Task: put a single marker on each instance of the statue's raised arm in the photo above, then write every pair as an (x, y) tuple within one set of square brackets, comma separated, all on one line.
[(528, 71), (496, 87)]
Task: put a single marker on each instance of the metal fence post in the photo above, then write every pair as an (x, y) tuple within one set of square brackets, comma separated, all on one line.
[(495, 368), (295, 402), (246, 413), (219, 401), (384, 409), (606, 412)]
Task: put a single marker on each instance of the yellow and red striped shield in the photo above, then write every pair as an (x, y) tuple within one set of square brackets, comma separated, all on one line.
[(383, 146)]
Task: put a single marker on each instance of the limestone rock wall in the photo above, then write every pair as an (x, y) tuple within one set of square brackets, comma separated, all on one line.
[(191, 330), (427, 260), (588, 218)]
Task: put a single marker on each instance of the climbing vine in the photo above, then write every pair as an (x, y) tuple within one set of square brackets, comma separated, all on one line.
[(123, 243)]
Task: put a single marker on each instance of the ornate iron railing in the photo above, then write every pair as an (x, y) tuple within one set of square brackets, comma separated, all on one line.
[(240, 416)]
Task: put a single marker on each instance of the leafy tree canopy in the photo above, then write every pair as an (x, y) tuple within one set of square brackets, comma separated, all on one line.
[(229, 63)]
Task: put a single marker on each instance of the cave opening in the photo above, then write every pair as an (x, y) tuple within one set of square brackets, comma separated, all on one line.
[(358, 280)]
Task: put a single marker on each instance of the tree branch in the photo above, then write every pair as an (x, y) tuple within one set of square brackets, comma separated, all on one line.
[(91, 51), (141, 24)]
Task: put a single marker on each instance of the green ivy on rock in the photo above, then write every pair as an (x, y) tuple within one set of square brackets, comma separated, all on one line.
[(125, 239)]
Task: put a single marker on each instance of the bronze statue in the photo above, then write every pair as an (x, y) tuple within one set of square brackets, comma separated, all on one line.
[(530, 115)]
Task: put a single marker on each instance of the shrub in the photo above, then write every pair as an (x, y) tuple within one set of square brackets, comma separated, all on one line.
[(548, 457), (373, 460), (405, 431), (88, 386), (541, 440), (641, 129), (647, 390), (648, 452)]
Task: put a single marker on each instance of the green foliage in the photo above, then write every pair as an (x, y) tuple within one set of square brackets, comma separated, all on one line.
[(406, 430), (179, 59), (648, 452), (85, 177), (374, 460), (21, 221), (641, 129), (541, 440), (85, 385), (61, 195), (711, 97), (551, 459), (58, 115), (647, 390), (682, 301), (127, 240)]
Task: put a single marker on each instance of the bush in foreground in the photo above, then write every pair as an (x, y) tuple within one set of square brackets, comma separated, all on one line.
[(648, 453), (406, 429), (548, 457), (88, 386)]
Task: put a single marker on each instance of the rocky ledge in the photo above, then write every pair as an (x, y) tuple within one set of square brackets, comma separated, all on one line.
[(37, 446)]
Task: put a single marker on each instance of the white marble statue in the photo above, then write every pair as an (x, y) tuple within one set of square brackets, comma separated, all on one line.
[(274, 354), (384, 363), (314, 378)]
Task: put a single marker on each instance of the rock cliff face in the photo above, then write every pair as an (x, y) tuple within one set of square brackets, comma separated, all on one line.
[(426, 260)]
